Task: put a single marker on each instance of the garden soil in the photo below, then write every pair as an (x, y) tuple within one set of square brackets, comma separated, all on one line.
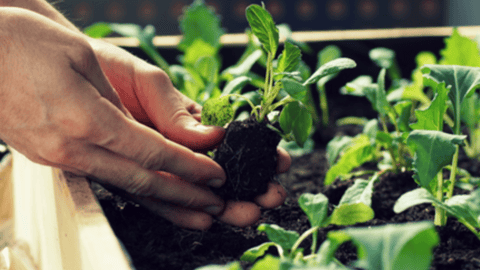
[(154, 243)]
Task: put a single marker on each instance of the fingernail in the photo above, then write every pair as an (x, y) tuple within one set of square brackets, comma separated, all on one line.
[(215, 183), (213, 209)]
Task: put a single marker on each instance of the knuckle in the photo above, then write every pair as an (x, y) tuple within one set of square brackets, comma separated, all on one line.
[(140, 185)]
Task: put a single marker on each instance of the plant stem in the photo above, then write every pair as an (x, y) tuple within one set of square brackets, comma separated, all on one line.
[(390, 149), (313, 231), (440, 213), (453, 173), (470, 227), (324, 105)]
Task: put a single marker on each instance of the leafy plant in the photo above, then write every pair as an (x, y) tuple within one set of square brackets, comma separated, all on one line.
[(283, 78)]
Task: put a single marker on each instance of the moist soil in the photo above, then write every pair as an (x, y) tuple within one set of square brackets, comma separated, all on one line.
[(154, 243)]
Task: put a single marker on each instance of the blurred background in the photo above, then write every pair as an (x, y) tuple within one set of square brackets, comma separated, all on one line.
[(301, 15)]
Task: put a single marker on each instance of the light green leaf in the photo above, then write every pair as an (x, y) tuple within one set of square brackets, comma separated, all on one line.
[(197, 50), (326, 252), (414, 91), (294, 150), (269, 262), (295, 89), (327, 54), (470, 112), (395, 246), (217, 111), (330, 68), (460, 50), (315, 207), (230, 266), (383, 57), (360, 192), (404, 111), (208, 67), (461, 80), (236, 85), (98, 30), (256, 252), (336, 146), (263, 26), (433, 150), (413, 198), (359, 86), (244, 66), (296, 119), (358, 153), (432, 117), (351, 214), (289, 59), (378, 96), (286, 239), (200, 22)]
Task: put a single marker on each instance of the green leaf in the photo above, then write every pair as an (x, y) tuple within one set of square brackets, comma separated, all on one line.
[(217, 111), (378, 96), (432, 117), (470, 112), (336, 146), (413, 198), (286, 239), (289, 59), (98, 30), (294, 150), (296, 119), (358, 153), (330, 68), (414, 91), (327, 54), (461, 80), (360, 192), (359, 86), (404, 111), (200, 22), (326, 252), (235, 85), (433, 150), (197, 50), (383, 57), (295, 89), (208, 68), (269, 262), (263, 26), (230, 266), (395, 246), (244, 66), (256, 252), (350, 214), (315, 207), (460, 50)]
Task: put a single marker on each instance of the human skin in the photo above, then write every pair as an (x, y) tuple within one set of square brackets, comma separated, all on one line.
[(93, 109)]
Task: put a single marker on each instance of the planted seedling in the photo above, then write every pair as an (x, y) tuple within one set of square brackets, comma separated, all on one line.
[(249, 150)]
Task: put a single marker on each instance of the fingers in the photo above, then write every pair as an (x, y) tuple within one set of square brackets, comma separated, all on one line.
[(274, 197), (240, 214), (284, 160)]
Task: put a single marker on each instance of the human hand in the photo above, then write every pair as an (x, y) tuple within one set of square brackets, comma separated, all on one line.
[(143, 94)]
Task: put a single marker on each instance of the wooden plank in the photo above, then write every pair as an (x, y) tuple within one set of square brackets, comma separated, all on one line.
[(59, 218), (317, 36)]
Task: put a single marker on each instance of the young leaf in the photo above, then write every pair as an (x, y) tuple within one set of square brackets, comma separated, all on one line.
[(269, 262), (359, 86), (360, 152), (360, 192), (296, 119), (208, 67), (286, 239), (383, 57), (197, 50), (326, 55), (254, 253), (350, 214), (378, 96), (336, 146), (395, 246), (98, 30), (432, 117), (462, 81), (217, 111), (230, 266), (244, 66), (236, 85), (295, 89), (329, 68), (460, 50), (263, 27), (289, 59), (315, 207), (200, 22), (433, 150), (414, 91), (326, 252), (404, 111)]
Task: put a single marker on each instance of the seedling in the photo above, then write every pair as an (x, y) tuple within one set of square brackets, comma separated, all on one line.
[(254, 162)]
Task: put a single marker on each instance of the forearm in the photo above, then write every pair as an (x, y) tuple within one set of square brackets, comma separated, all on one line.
[(42, 7)]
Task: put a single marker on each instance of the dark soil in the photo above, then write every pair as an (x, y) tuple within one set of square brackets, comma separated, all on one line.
[(154, 243), (248, 155)]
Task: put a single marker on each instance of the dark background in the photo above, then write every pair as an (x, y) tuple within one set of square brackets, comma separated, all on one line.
[(299, 14)]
